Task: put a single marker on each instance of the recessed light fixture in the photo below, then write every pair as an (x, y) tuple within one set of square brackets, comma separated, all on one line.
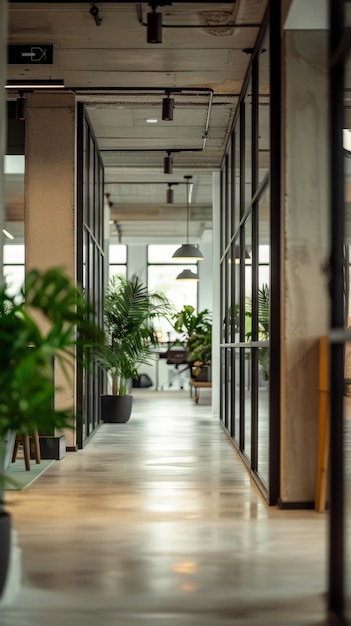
[(152, 120)]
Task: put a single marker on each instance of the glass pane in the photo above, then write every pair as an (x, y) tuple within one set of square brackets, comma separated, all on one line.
[(247, 393), (228, 408), (263, 110), (248, 280), (347, 487), (236, 292), (14, 277), (248, 146), (263, 336), (223, 303), (230, 193), (13, 253), (117, 269), (118, 253), (223, 386), (163, 254), (236, 166), (347, 399), (223, 243), (228, 297), (237, 394), (179, 292)]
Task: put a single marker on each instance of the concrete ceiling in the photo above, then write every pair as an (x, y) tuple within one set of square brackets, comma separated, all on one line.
[(122, 79)]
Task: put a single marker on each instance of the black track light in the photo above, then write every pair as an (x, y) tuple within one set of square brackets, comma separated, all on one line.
[(94, 11), (21, 107), (170, 194), (154, 27), (168, 164), (167, 108)]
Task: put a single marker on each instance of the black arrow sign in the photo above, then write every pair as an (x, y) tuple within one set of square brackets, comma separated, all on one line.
[(41, 54)]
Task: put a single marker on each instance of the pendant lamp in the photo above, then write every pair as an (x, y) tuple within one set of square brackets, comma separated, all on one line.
[(188, 251), (187, 275)]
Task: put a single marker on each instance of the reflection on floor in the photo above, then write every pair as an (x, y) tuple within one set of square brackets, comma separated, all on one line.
[(157, 522)]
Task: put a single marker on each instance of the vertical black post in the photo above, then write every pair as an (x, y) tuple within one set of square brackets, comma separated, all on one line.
[(242, 277), (254, 268), (275, 261), (79, 260), (336, 496)]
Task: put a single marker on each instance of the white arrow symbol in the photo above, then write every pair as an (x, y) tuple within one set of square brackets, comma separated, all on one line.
[(35, 50)]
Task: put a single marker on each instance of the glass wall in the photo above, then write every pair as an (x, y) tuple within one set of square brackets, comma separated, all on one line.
[(162, 276), (339, 596), (90, 264), (347, 399), (245, 272)]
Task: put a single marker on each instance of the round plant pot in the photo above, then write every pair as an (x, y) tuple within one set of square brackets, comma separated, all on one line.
[(116, 409), (5, 547)]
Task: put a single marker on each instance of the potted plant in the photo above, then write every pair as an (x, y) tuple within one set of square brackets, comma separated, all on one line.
[(129, 314), (196, 335), (47, 300), (263, 300)]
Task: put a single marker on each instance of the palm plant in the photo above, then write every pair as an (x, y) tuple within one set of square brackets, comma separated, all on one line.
[(45, 319), (130, 311), (263, 300), (27, 351)]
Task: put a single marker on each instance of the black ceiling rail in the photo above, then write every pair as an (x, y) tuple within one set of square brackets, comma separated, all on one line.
[(203, 26), (150, 91)]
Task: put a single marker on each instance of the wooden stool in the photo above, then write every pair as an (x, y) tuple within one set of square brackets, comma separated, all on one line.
[(25, 440)]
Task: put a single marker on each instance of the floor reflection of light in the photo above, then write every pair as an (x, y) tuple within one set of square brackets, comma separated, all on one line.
[(185, 567), (171, 459), (187, 587)]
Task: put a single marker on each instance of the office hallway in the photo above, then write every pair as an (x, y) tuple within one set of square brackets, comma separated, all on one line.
[(157, 522)]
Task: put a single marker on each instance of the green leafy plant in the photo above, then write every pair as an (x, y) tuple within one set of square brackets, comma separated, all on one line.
[(45, 320), (130, 311), (263, 328), (263, 298), (196, 333)]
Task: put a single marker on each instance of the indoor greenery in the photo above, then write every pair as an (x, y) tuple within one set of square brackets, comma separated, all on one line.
[(130, 311), (263, 301), (45, 319), (196, 333)]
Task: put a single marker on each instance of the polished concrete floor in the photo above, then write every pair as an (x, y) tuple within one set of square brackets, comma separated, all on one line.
[(157, 522)]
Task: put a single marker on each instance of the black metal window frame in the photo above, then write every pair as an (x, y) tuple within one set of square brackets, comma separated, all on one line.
[(90, 383), (249, 211)]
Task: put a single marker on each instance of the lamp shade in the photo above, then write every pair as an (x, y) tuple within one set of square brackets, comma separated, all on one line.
[(187, 275), (188, 251)]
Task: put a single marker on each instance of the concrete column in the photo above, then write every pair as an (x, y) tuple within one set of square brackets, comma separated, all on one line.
[(50, 200), (305, 254)]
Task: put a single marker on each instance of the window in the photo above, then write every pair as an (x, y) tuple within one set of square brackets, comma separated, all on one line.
[(162, 276), (13, 260), (117, 259)]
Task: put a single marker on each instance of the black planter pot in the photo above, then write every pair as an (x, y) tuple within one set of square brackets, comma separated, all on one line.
[(116, 409), (5, 548), (202, 373)]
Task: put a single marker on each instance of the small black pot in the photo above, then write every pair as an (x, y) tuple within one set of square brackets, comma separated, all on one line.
[(5, 548), (116, 409)]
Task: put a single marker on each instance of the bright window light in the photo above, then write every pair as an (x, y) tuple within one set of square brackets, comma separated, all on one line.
[(14, 164)]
